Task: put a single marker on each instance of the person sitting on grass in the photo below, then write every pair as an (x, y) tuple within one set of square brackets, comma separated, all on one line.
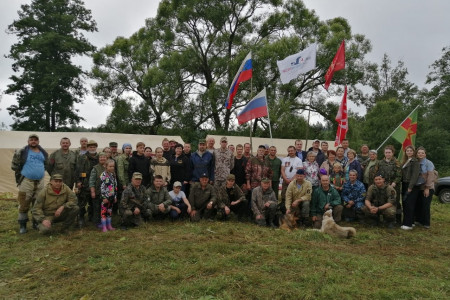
[(202, 199), (55, 203), (298, 197), (353, 194), (380, 201), (159, 199), (108, 191), (230, 198), (264, 204), (133, 205), (180, 205)]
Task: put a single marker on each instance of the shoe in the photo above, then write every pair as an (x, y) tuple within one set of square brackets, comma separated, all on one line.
[(108, 224), (123, 227), (426, 226), (404, 227), (23, 226)]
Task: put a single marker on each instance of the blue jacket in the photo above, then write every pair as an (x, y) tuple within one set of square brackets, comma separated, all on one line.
[(355, 192), (202, 164)]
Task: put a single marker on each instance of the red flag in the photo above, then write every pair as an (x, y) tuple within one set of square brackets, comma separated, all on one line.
[(337, 64), (342, 120)]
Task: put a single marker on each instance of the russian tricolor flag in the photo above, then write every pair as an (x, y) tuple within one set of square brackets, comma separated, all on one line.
[(256, 108), (244, 73)]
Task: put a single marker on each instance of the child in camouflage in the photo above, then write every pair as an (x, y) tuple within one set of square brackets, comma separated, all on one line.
[(108, 190)]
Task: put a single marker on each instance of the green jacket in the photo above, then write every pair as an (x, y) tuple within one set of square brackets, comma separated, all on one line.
[(199, 198), (133, 197), (158, 197), (47, 202), (94, 178), (123, 161), (275, 166), (85, 164), (392, 172), (223, 199), (380, 196), (320, 198), (64, 164)]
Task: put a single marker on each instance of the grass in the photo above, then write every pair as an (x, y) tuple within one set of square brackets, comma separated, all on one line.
[(224, 260)]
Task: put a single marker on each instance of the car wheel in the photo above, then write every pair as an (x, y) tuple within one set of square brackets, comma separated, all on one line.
[(444, 196)]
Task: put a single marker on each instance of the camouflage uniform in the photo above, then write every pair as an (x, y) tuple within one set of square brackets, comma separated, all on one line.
[(259, 199), (224, 163), (64, 164), (85, 164), (156, 198), (95, 182), (48, 202), (275, 166), (199, 199), (392, 172), (256, 170), (224, 198), (28, 188), (132, 198), (378, 197)]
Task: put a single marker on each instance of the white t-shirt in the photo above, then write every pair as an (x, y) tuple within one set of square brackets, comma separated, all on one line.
[(291, 165), (177, 198)]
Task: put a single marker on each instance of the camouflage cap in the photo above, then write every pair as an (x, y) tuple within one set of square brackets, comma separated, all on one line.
[(231, 177), (113, 144), (265, 179), (56, 177), (223, 139), (33, 135), (92, 143), (202, 141), (137, 175)]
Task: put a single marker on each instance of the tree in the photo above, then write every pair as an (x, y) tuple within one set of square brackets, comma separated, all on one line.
[(50, 34)]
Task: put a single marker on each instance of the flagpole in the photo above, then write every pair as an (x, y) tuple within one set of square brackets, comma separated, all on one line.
[(309, 114), (268, 116), (397, 128), (251, 122)]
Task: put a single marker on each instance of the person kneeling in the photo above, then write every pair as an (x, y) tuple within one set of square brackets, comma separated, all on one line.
[(55, 203), (231, 199), (159, 199), (264, 204), (202, 198)]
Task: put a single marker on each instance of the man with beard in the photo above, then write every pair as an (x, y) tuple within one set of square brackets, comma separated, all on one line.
[(29, 166)]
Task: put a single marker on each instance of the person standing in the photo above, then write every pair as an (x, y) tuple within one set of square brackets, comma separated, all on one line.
[(95, 187), (55, 203), (167, 151), (138, 163), (257, 168), (108, 194), (364, 154), (180, 168), (223, 162), (289, 166), (29, 165), (275, 166), (369, 168), (113, 147), (86, 163), (426, 184), (202, 162), (210, 141), (247, 151), (298, 150), (159, 165), (64, 162), (410, 192), (83, 147)]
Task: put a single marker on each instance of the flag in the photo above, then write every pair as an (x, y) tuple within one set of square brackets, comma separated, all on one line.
[(337, 64), (342, 120), (297, 64), (256, 108), (244, 73), (406, 132)]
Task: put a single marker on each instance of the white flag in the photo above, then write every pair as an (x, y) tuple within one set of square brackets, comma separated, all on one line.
[(297, 64)]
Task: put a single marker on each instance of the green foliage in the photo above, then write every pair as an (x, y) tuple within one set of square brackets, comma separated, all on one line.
[(50, 34)]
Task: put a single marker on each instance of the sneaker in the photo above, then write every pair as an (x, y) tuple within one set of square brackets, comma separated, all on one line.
[(426, 226), (404, 227)]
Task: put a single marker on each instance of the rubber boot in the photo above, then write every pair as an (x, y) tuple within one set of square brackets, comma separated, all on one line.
[(104, 229), (108, 224), (23, 226)]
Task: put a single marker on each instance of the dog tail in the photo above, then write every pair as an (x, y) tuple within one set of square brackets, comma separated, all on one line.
[(351, 232)]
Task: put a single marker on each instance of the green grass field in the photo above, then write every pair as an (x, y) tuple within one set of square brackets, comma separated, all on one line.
[(224, 260)]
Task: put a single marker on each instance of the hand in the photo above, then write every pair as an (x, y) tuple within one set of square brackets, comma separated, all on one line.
[(189, 209), (259, 217), (296, 202), (267, 204), (124, 187), (326, 207), (249, 186), (288, 211), (209, 206), (105, 201), (161, 208), (177, 209), (426, 192), (58, 211), (193, 213), (115, 200), (350, 204), (227, 210), (234, 203), (314, 218), (79, 185), (393, 184), (288, 181), (409, 190), (374, 209), (47, 223), (137, 211), (92, 194)]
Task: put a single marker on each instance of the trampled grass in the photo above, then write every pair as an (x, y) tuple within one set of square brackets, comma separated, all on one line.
[(225, 260)]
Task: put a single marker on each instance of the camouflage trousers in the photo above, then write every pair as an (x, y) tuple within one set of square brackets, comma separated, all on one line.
[(67, 217), (28, 190)]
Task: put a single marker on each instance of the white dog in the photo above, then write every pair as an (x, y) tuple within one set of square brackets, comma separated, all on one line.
[(330, 227)]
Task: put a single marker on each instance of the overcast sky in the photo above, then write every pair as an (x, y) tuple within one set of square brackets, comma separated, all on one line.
[(414, 31)]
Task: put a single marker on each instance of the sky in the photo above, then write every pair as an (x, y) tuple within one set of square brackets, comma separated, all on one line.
[(414, 31)]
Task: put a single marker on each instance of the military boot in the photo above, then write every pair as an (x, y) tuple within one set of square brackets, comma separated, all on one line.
[(23, 226)]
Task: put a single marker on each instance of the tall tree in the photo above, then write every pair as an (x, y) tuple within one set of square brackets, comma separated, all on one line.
[(50, 34)]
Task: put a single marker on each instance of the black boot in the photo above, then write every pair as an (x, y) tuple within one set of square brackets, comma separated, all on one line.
[(23, 226)]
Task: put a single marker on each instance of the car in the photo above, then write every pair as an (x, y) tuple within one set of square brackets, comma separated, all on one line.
[(442, 189)]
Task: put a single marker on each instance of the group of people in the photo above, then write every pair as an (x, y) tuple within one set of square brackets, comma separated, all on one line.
[(214, 183)]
